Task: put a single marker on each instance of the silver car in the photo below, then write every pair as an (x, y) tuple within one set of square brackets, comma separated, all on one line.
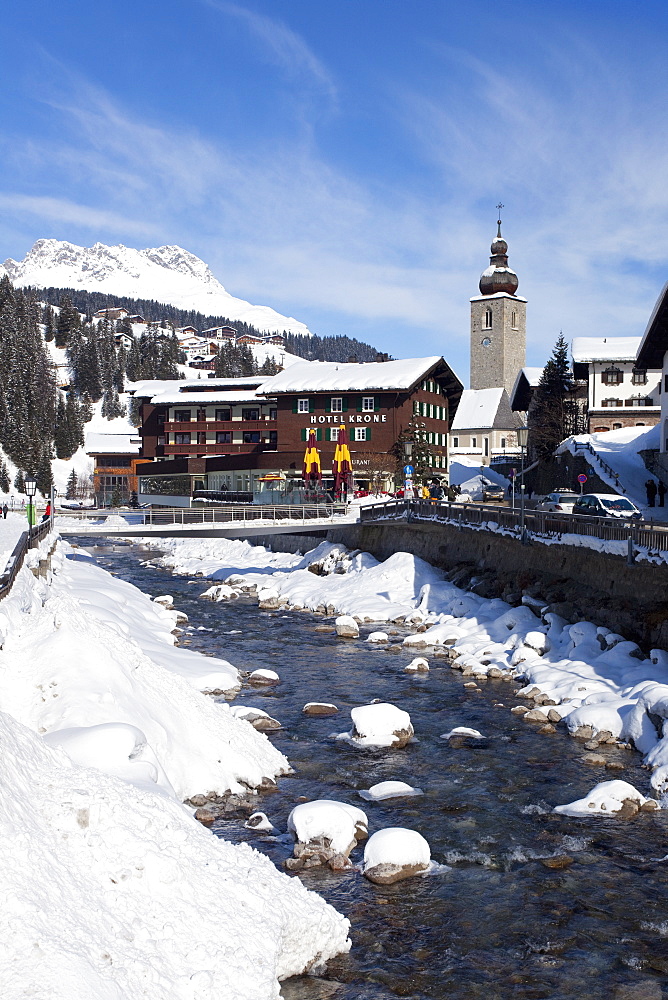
[(561, 501)]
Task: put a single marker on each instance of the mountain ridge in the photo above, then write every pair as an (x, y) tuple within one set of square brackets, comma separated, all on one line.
[(169, 274)]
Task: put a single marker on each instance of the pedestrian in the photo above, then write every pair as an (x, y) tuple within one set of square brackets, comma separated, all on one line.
[(5, 511), (47, 512), (661, 492), (529, 492), (650, 490)]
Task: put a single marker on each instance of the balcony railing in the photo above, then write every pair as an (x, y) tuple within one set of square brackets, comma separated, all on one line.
[(226, 448), (183, 426)]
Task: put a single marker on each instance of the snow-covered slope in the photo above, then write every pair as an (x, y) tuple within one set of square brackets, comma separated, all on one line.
[(165, 274)]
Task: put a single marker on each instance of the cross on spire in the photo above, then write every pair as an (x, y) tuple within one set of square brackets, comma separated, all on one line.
[(498, 221)]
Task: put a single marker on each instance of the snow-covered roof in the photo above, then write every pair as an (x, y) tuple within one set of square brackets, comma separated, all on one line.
[(585, 349), (112, 444), (336, 376), (481, 408), (526, 381), (151, 387), (190, 398), (654, 343), (497, 295)]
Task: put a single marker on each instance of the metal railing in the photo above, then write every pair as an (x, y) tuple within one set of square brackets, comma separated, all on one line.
[(537, 523), (27, 541), (581, 446), (241, 513)]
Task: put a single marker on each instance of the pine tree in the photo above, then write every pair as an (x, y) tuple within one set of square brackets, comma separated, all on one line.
[(72, 486), (68, 321), (116, 497), (5, 482), (49, 321), (548, 412), (19, 482), (43, 476)]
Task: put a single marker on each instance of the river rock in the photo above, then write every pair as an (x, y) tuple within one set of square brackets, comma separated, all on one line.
[(381, 724), (559, 861), (377, 637), (259, 821), (594, 758), (205, 816), (394, 854), (325, 828), (319, 708), (268, 599), (418, 665), (346, 627), (165, 600), (553, 716), (519, 710), (535, 715), (329, 629), (263, 677)]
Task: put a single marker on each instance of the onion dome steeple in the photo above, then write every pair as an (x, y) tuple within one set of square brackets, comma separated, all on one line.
[(498, 277)]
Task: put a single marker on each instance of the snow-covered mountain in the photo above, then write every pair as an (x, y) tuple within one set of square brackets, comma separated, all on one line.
[(166, 274)]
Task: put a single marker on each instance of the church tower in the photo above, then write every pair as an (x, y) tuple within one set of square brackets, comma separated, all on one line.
[(498, 323)]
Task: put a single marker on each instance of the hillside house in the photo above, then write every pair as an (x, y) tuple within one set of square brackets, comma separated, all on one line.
[(653, 356), (620, 391), (484, 426), (115, 459)]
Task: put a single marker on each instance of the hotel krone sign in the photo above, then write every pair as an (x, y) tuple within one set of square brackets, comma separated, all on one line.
[(353, 418)]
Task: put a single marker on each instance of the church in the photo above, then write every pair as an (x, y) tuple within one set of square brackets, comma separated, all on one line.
[(484, 427)]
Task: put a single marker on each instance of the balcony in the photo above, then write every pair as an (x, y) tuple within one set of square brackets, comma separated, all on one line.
[(218, 449), (183, 426)]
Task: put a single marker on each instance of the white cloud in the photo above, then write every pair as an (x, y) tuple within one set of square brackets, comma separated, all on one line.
[(61, 210)]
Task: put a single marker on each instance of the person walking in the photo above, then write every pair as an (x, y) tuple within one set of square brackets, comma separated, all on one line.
[(5, 511), (650, 490), (662, 492)]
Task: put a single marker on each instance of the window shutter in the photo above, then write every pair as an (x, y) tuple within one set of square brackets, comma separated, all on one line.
[(416, 408), (311, 406), (328, 406), (359, 403), (318, 434), (344, 404), (368, 433), (294, 405), (352, 433), (376, 404), (303, 434)]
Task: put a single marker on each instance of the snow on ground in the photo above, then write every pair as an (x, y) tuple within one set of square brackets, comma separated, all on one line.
[(592, 676), (110, 888), (11, 529), (467, 472), (620, 449)]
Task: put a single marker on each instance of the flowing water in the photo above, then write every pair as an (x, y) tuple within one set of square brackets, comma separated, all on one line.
[(499, 921)]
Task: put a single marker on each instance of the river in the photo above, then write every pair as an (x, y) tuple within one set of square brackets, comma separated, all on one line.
[(501, 921)]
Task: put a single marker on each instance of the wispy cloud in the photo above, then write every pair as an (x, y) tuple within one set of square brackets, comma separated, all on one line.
[(63, 211), (287, 49)]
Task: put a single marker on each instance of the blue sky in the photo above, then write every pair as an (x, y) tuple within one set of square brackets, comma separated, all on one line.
[(341, 161)]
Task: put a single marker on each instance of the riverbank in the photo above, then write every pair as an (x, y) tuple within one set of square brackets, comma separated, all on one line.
[(598, 684), (111, 888)]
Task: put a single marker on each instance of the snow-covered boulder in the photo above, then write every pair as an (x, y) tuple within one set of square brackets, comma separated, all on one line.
[(221, 592), (165, 600), (607, 797), (378, 637), (319, 708), (258, 719), (259, 821), (394, 854), (268, 598), (418, 665), (380, 725), (462, 731), (347, 627), (264, 677), (325, 832), (389, 790)]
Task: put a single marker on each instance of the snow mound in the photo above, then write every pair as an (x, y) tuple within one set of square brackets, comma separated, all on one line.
[(389, 790), (606, 797), (338, 822)]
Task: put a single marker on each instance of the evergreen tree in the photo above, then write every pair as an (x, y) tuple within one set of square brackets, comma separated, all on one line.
[(19, 482), (72, 486), (548, 412), (5, 482), (43, 476), (62, 438), (116, 497), (68, 321), (49, 321)]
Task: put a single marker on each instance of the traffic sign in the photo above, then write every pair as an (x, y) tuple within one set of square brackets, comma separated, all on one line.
[(408, 470), (582, 478)]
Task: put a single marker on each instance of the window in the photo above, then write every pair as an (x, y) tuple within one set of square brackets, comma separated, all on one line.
[(273, 413), (251, 437), (612, 376), (455, 442), (488, 318), (639, 401), (248, 414), (303, 406), (181, 416), (112, 461), (503, 444), (368, 404), (639, 376), (273, 440), (597, 430), (612, 402), (182, 438), (161, 439), (486, 443), (201, 437), (225, 414), (360, 434), (336, 404), (513, 320), (617, 427), (223, 437), (160, 417), (474, 442), (665, 383)]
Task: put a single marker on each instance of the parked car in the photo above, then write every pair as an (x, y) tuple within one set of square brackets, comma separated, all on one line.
[(559, 500), (606, 505), (491, 491)]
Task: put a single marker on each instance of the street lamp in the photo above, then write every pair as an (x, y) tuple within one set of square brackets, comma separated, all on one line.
[(522, 438), (30, 488)]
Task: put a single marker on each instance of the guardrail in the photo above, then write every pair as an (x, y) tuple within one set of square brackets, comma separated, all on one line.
[(581, 446), (242, 513), (16, 559), (536, 523)]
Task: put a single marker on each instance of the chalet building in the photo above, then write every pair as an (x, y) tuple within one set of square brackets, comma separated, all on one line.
[(183, 332), (484, 426), (123, 340), (621, 392), (220, 333), (652, 356), (229, 433), (112, 313), (115, 460), (249, 338)]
